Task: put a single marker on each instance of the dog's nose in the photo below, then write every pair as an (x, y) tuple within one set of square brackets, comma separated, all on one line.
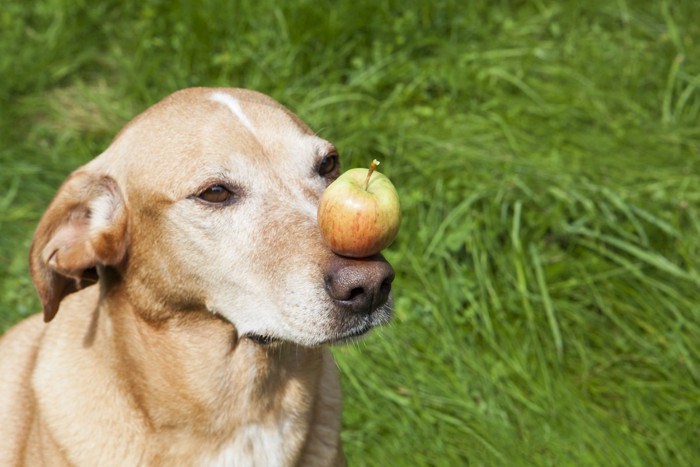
[(360, 285)]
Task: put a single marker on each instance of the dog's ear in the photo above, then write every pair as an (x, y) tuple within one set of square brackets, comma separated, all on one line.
[(84, 227)]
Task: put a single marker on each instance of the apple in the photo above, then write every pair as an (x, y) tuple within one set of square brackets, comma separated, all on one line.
[(359, 213)]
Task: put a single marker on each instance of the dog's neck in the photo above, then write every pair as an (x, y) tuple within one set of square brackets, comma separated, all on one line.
[(193, 374)]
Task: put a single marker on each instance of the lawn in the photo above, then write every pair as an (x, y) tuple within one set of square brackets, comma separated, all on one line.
[(547, 155)]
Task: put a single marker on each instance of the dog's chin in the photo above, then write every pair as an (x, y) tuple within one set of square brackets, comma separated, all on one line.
[(348, 336), (351, 329)]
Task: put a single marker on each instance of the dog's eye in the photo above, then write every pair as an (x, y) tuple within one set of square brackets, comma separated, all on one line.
[(216, 194), (328, 165)]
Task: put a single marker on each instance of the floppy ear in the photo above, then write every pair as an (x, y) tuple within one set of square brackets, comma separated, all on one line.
[(84, 227)]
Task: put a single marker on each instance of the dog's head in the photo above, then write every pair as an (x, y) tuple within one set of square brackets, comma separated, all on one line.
[(207, 202)]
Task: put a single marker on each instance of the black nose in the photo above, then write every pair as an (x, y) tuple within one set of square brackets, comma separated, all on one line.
[(359, 285)]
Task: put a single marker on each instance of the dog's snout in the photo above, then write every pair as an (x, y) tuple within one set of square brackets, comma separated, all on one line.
[(360, 285)]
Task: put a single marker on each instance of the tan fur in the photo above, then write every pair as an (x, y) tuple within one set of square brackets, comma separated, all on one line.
[(153, 296)]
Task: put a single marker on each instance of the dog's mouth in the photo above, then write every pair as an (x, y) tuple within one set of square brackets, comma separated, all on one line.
[(350, 336), (261, 339), (344, 338)]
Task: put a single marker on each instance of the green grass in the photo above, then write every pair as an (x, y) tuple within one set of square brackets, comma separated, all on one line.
[(548, 159)]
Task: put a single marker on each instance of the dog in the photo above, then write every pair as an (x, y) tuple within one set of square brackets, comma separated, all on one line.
[(190, 299)]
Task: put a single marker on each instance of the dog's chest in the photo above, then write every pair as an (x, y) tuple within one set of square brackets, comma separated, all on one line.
[(254, 444)]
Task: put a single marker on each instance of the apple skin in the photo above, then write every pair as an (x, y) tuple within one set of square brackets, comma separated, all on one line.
[(356, 222)]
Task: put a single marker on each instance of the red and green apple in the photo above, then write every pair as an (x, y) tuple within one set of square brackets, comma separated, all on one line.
[(359, 213)]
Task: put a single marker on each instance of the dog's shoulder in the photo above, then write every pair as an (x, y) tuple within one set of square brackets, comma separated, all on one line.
[(18, 353), (19, 345)]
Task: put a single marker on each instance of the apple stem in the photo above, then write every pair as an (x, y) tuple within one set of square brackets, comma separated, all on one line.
[(372, 166)]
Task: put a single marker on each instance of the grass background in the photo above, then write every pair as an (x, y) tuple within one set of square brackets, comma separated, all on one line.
[(548, 159)]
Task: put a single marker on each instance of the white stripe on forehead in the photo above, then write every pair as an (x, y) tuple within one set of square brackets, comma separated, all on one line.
[(235, 108)]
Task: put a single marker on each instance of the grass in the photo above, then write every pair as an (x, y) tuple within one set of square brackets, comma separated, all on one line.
[(548, 159)]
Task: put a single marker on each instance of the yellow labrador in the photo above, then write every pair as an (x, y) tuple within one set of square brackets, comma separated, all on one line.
[(190, 297)]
